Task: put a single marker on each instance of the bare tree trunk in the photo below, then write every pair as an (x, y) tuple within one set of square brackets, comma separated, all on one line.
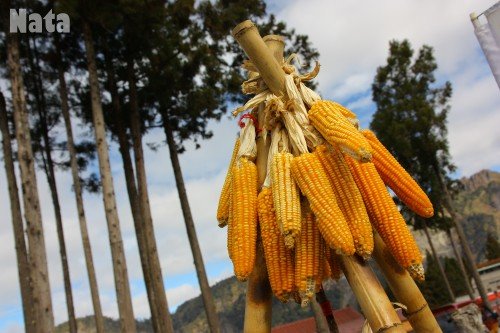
[(330, 319), (17, 222), (51, 180), (42, 302), (127, 320), (438, 262), (87, 249), (463, 240), (132, 191), (206, 293), (470, 291), (164, 319), (321, 323)]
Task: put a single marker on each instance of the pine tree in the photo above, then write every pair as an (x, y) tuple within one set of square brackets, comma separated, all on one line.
[(410, 121), (17, 222), (127, 320), (77, 186), (457, 279), (42, 303), (492, 247), (43, 144), (432, 287)]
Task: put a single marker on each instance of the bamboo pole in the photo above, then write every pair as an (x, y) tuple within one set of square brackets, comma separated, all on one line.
[(376, 306), (258, 306), (370, 294), (405, 289)]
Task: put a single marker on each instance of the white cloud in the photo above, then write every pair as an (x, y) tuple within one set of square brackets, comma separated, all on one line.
[(177, 296), (352, 85), (353, 37), (14, 328)]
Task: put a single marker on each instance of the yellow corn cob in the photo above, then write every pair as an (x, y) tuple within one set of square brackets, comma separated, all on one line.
[(342, 109), (319, 261), (396, 177), (286, 197), (313, 182), (339, 131), (348, 198), (333, 261), (244, 217), (223, 208), (386, 218), (279, 259), (230, 227), (308, 254), (327, 272)]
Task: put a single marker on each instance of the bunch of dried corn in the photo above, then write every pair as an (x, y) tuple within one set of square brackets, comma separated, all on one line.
[(323, 193)]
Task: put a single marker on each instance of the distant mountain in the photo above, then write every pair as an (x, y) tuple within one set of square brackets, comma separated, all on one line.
[(87, 325), (478, 203)]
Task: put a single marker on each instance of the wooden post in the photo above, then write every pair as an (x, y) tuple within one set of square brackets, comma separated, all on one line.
[(370, 294), (258, 307), (405, 289)]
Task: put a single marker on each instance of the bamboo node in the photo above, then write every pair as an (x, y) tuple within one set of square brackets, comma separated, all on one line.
[(367, 329), (409, 314), (242, 28)]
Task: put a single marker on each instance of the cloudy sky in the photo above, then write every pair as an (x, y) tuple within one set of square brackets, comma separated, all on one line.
[(352, 38)]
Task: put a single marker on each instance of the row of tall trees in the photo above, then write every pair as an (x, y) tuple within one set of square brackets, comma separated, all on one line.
[(126, 66)]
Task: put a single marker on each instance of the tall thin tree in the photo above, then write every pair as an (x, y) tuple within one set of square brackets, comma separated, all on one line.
[(127, 320), (17, 221), (164, 320), (77, 187), (49, 169), (161, 323), (42, 302)]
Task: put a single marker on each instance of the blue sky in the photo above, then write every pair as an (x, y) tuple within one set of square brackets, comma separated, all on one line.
[(352, 38)]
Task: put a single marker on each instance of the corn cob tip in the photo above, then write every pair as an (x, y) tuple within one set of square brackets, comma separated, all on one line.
[(289, 241), (222, 223), (242, 278), (365, 255), (417, 272), (342, 253), (310, 286), (284, 297), (365, 155), (304, 302), (428, 212)]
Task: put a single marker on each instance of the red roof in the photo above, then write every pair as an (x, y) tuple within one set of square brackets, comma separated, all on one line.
[(348, 321), (488, 263)]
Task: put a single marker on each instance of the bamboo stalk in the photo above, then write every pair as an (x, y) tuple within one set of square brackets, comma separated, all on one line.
[(376, 306), (405, 289), (258, 306), (370, 294)]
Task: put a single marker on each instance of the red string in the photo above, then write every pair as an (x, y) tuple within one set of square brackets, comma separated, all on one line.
[(327, 308), (252, 118)]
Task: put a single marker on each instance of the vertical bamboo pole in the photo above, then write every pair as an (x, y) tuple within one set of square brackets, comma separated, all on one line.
[(370, 294), (406, 291), (258, 307)]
